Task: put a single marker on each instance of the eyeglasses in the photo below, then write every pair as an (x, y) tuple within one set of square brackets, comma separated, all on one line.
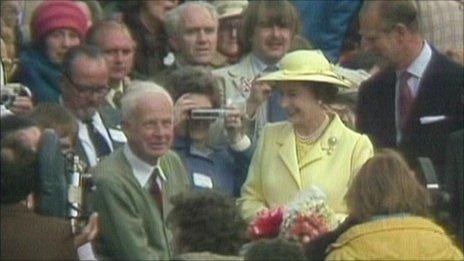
[(89, 90)]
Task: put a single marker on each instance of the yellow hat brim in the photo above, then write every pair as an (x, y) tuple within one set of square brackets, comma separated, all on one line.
[(280, 76)]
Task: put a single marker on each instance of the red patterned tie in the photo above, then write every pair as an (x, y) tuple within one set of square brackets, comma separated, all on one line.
[(155, 190), (406, 99)]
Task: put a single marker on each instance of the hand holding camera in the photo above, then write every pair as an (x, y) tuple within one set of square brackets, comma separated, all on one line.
[(16, 98)]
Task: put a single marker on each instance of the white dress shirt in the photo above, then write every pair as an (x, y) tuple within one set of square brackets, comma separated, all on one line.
[(142, 170), (87, 144)]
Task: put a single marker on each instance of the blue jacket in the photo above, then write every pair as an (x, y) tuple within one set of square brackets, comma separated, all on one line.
[(39, 74), (326, 22), (221, 168)]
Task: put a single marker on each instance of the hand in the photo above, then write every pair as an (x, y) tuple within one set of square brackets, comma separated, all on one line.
[(89, 233), (182, 108), (259, 93), (22, 105), (233, 124)]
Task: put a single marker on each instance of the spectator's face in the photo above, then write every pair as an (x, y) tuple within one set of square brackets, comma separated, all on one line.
[(229, 29), (119, 53), (149, 132), (197, 38), (271, 41), (86, 90), (199, 129), (298, 102), (159, 8), (375, 40), (58, 42)]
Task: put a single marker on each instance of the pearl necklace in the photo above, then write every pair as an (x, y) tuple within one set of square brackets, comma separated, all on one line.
[(315, 135)]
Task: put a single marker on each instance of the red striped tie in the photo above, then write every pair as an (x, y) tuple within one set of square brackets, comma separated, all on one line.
[(155, 190), (406, 99)]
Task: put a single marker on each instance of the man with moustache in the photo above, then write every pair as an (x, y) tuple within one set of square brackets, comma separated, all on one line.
[(116, 42), (84, 85), (134, 184), (267, 33)]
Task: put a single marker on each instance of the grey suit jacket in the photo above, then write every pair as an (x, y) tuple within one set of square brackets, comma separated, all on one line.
[(131, 225)]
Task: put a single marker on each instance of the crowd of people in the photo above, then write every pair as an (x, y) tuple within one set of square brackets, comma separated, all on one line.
[(161, 129)]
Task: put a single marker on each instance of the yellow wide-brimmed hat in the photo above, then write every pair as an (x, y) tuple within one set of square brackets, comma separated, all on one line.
[(230, 8), (306, 66)]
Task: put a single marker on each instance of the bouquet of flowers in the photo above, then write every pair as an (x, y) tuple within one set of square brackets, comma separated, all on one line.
[(307, 217)]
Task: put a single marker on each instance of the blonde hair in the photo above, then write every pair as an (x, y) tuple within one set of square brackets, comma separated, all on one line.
[(386, 185)]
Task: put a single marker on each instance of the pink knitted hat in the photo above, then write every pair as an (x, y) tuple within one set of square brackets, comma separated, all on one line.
[(52, 15)]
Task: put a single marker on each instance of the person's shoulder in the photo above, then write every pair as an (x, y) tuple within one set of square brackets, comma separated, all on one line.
[(108, 168), (445, 66), (171, 158), (234, 70)]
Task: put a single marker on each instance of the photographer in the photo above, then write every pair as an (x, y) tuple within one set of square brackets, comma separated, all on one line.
[(197, 106), (25, 234)]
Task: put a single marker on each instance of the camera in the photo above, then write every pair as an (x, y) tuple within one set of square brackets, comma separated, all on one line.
[(10, 91), (207, 114)]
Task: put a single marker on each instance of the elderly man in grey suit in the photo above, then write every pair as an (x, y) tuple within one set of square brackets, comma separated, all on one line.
[(84, 85), (135, 182)]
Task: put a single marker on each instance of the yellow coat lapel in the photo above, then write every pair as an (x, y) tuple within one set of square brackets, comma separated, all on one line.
[(287, 153)]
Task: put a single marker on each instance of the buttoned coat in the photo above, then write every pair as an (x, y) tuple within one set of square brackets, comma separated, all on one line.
[(274, 178), (440, 94), (132, 227)]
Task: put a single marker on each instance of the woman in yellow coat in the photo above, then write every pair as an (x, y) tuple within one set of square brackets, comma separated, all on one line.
[(392, 207), (313, 147)]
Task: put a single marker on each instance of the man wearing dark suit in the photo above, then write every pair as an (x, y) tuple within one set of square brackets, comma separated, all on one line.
[(24, 234), (134, 184), (416, 100), (84, 86)]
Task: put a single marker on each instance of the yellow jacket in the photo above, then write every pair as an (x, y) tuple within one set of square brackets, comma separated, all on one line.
[(274, 178), (406, 238)]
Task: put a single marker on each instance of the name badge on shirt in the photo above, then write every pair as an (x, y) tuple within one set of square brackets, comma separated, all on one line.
[(117, 135), (201, 180)]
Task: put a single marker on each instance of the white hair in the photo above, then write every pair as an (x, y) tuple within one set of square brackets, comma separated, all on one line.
[(136, 91), (174, 16)]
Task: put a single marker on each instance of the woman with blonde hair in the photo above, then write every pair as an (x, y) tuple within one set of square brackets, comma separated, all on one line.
[(392, 207)]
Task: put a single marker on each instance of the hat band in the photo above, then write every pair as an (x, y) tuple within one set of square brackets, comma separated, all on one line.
[(308, 72)]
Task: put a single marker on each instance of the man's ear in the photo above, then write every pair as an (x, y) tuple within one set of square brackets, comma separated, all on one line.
[(174, 43)]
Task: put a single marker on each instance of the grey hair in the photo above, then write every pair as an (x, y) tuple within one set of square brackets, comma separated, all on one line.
[(96, 31), (136, 91), (174, 17), (392, 13), (87, 51)]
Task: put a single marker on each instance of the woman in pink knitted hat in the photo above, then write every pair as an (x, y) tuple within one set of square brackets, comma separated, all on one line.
[(56, 26)]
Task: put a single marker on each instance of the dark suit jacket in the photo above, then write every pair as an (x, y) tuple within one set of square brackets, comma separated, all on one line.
[(26, 235), (440, 93), (454, 181)]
